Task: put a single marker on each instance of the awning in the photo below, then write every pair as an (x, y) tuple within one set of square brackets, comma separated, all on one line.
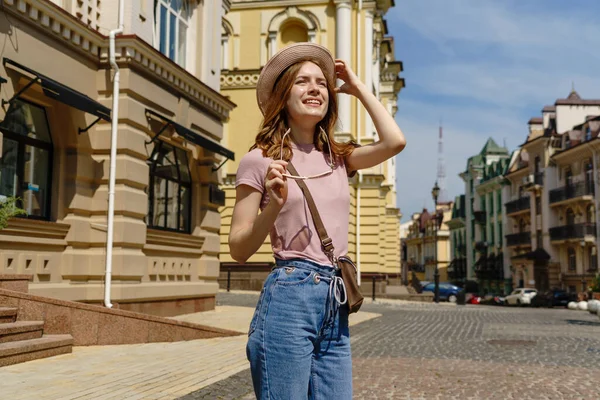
[(193, 137), (535, 255), (62, 93)]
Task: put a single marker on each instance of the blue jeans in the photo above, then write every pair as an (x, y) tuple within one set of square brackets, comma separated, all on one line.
[(299, 341)]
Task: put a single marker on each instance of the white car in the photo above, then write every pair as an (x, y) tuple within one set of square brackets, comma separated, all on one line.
[(520, 296)]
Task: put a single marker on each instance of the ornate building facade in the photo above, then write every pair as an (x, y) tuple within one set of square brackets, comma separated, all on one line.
[(56, 142)]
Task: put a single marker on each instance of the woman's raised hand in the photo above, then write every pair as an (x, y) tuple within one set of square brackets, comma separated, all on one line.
[(351, 82), (276, 183)]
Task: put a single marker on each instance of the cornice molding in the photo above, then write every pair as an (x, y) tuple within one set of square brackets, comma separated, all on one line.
[(132, 51), (136, 53), (255, 4), (59, 24)]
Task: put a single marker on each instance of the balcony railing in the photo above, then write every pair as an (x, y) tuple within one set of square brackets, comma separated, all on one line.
[(571, 191), (575, 231), (520, 204), (479, 216), (518, 239)]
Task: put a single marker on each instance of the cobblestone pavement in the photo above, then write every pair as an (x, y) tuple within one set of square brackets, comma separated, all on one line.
[(427, 351)]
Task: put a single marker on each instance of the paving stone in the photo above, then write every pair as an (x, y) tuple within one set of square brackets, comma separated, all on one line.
[(427, 351)]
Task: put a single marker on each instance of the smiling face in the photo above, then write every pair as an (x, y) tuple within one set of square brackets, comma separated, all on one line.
[(308, 99)]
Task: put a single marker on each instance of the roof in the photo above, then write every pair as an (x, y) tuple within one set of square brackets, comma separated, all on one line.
[(549, 109), (536, 121), (575, 99), (491, 147)]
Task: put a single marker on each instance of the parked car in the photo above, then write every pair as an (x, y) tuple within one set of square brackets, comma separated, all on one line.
[(553, 298), (521, 296), (448, 291)]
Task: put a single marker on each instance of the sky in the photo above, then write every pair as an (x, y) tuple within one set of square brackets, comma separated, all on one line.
[(484, 68)]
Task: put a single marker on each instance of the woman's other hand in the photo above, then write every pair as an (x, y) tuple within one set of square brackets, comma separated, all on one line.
[(351, 83), (276, 183)]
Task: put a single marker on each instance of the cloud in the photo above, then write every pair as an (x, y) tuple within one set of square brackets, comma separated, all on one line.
[(485, 67)]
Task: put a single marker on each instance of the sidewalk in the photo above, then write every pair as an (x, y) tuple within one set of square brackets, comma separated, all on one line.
[(141, 371)]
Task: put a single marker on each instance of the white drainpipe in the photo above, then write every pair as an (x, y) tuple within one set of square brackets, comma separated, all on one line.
[(113, 156), (358, 127), (360, 179)]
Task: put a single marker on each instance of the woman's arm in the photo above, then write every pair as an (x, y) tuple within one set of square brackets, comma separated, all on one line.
[(249, 229), (391, 139)]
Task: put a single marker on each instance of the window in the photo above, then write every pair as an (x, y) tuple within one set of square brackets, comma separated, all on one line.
[(589, 177), (26, 163), (570, 217), (589, 215), (593, 259), (588, 134), (169, 192), (539, 239), (172, 21), (538, 205), (572, 259)]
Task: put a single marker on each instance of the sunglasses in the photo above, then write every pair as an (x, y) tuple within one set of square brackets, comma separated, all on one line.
[(321, 175)]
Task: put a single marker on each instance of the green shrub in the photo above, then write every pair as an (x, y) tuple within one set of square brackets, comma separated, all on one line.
[(8, 210), (595, 286)]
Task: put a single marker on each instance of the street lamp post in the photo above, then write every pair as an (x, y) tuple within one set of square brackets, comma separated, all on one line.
[(435, 192)]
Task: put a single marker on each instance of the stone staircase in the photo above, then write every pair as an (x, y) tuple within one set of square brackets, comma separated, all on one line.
[(22, 341)]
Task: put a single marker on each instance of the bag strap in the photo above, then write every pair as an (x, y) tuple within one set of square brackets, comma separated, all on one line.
[(326, 241)]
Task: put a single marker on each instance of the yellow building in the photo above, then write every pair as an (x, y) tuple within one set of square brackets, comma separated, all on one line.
[(356, 32), (428, 243)]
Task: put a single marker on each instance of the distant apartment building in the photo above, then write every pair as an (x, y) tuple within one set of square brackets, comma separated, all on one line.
[(57, 92), (483, 216), (457, 270), (552, 236), (428, 243)]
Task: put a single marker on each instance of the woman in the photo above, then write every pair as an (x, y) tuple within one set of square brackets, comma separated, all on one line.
[(299, 344)]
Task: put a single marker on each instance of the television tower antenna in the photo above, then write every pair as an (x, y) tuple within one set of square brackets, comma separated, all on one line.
[(441, 167)]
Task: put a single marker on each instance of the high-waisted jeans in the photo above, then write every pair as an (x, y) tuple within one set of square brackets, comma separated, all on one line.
[(299, 341)]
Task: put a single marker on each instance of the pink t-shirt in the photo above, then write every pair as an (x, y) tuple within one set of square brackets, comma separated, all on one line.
[(294, 234)]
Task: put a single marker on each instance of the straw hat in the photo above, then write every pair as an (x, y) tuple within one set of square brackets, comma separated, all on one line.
[(283, 59)]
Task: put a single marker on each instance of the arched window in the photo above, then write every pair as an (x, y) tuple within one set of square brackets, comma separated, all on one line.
[(169, 192), (572, 259), (26, 163), (226, 45), (292, 32)]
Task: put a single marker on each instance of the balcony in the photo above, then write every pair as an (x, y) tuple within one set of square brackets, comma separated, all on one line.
[(479, 217), (570, 192), (575, 231), (518, 239), (517, 206)]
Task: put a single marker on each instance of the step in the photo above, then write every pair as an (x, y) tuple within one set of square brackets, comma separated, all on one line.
[(33, 349), (21, 330), (8, 314)]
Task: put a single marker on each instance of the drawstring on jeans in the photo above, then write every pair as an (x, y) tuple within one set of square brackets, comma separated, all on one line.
[(336, 287), (337, 297)]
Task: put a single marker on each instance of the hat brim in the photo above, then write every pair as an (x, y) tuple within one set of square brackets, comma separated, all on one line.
[(286, 57)]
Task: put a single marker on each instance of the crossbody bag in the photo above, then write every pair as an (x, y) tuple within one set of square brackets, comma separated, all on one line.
[(343, 263)]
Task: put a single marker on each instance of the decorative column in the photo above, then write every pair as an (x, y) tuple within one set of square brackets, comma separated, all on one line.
[(343, 48), (272, 43), (368, 67)]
